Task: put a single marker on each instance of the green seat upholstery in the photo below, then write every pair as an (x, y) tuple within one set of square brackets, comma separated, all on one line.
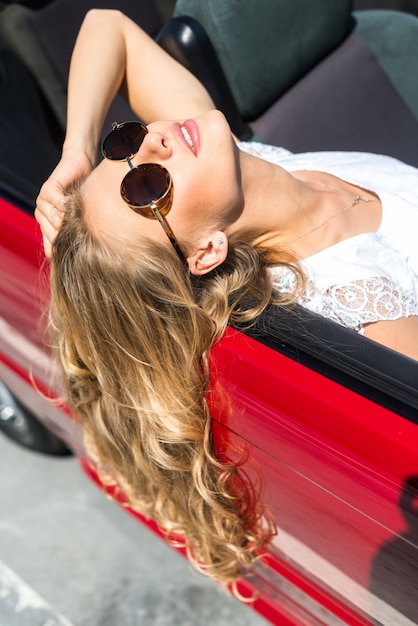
[(265, 46), (392, 37)]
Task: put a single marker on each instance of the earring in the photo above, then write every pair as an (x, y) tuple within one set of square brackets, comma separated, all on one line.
[(220, 241)]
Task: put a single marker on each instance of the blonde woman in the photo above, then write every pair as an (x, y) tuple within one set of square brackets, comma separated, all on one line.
[(153, 250)]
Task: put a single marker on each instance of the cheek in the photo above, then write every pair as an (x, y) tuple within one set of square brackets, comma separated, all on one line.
[(196, 208), (207, 196)]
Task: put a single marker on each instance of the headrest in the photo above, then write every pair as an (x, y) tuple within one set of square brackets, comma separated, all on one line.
[(264, 47)]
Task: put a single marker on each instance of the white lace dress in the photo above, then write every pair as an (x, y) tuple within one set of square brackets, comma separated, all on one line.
[(372, 276)]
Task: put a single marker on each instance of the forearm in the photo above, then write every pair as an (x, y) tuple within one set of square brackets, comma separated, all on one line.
[(157, 86), (96, 71)]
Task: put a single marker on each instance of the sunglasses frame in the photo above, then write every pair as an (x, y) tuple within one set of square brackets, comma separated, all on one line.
[(165, 199)]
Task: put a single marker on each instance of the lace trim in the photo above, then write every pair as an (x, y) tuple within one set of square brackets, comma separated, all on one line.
[(264, 151), (361, 302)]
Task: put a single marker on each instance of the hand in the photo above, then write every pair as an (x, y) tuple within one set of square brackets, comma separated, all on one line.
[(50, 203)]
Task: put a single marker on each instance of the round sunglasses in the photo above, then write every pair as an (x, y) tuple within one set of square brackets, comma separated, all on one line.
[(146, 188)]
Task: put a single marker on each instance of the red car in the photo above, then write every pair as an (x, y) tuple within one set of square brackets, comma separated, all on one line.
[(329, 419)]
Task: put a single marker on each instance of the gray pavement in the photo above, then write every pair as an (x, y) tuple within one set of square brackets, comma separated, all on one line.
[(71, 557)]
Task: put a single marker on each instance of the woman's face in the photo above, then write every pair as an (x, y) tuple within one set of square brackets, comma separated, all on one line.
[(204, 168)]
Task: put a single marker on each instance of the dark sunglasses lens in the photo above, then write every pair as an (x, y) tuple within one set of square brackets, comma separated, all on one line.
[(145, 184), (123, 141)]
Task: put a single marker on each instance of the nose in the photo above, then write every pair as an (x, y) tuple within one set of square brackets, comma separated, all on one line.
[(155, 146)]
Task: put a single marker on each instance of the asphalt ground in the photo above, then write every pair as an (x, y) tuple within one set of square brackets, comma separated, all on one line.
[(71, 557)]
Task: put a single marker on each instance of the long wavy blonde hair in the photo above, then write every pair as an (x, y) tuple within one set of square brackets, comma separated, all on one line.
[(132, 331)]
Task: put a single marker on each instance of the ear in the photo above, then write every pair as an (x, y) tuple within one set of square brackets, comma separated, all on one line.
[(206, 258)]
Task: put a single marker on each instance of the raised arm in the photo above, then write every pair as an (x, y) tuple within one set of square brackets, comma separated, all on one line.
[(113, 54)]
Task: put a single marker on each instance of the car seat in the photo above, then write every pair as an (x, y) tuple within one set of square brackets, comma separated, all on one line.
[(306, 74)]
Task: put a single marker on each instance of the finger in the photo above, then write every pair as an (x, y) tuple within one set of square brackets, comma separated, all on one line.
[(50, 196), (47, 247), (48, 231), (48, 238), (49, 213)]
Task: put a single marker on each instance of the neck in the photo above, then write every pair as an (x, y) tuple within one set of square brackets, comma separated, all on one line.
[(272, 201), (306, 210)]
